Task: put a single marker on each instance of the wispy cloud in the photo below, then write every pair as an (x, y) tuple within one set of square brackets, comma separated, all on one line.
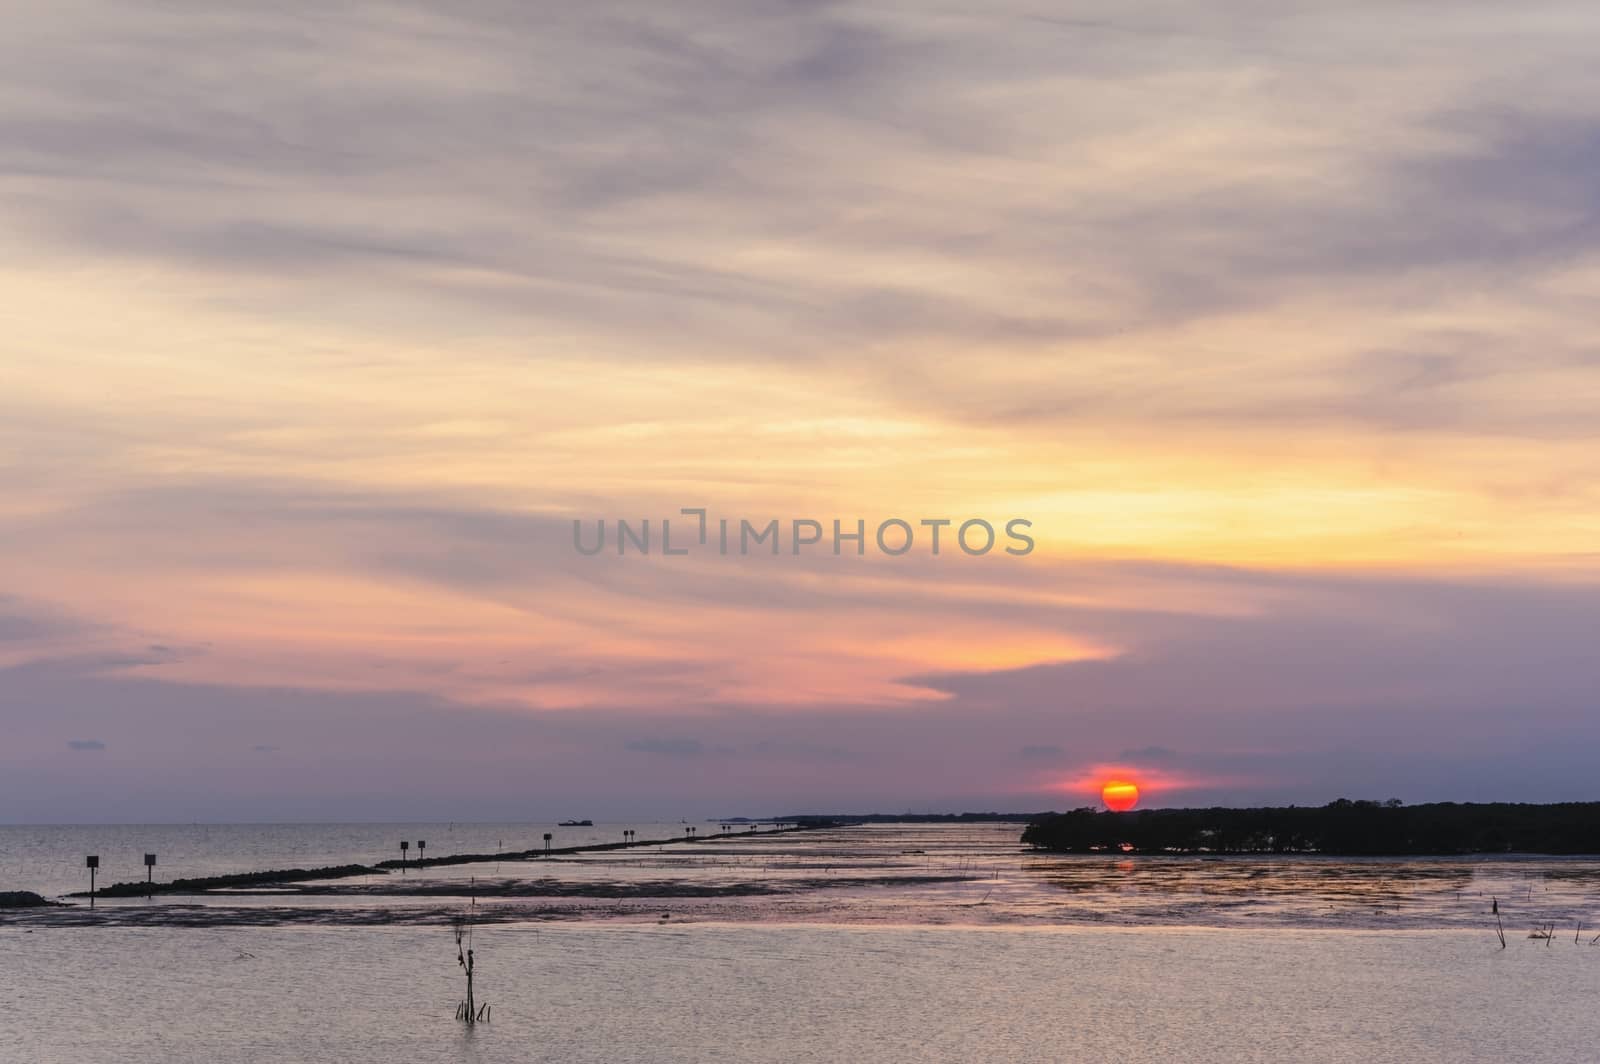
[(673, 747)]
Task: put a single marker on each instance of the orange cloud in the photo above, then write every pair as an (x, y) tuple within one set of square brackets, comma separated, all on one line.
[(1154, 783)]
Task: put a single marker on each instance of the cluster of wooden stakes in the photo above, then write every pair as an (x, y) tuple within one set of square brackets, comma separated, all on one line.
[(468, 1011), (1545, 931)]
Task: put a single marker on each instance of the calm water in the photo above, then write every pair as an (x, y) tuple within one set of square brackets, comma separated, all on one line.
[(615, 993), (882, 944)]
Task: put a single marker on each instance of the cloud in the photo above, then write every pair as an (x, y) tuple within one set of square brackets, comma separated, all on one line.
[(1334, 685), (1041, 752), (617, 214), (791, 749), (85, 744), (1148, 753), (673, 747), (33, 622)]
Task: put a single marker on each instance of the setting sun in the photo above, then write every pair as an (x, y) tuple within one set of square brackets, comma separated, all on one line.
[(1120, 795)]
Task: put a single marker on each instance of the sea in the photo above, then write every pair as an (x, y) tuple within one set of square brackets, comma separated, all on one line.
[(873, 943)]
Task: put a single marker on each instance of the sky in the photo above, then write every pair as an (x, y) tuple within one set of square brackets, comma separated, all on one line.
[(324, 322)]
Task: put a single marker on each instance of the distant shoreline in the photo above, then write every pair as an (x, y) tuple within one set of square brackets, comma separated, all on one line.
[(837, 819), (1339, 829)]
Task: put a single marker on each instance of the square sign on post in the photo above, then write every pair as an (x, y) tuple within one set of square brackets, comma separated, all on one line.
[(149, 872)]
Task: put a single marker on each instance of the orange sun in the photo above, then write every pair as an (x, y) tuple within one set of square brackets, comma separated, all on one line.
[(1119, 795)]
